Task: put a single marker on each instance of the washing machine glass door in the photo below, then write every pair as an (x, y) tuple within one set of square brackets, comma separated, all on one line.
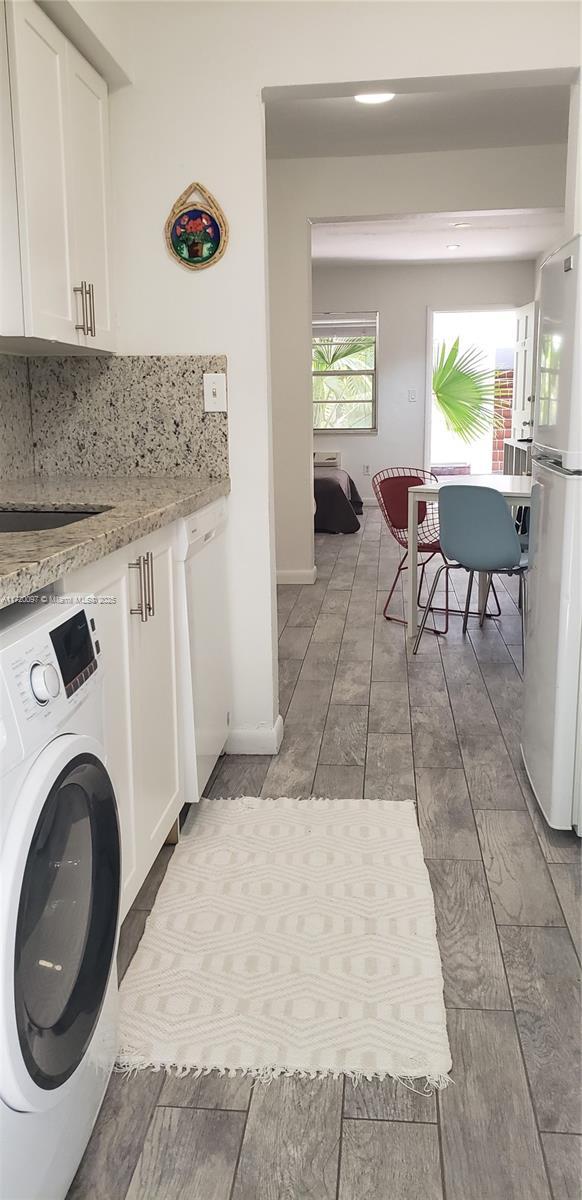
[(66, 921)]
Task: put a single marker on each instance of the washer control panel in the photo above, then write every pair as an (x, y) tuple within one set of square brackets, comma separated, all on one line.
[(47, 665)]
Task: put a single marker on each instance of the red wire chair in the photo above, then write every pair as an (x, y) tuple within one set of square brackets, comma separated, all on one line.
[(391, 491)]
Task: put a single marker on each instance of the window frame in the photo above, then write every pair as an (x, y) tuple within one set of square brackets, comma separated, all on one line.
[(366, 318)]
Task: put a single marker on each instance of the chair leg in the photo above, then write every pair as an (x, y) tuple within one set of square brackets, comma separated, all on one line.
[(445, 567), (496, 598), (468, 601), (419, 593), (446, 628), (523, 596), (484, 609), (423, 564), (401, 565)]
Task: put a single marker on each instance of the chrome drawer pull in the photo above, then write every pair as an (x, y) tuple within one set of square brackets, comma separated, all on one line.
[(151, 588), (141, 610), (91, 323), (82, 292)]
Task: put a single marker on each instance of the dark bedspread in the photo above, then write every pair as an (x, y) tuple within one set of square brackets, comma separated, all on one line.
[(337, 501)]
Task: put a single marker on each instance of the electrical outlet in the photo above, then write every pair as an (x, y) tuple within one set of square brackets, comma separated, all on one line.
[(365, 469)]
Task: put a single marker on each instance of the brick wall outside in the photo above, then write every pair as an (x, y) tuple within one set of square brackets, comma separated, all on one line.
[(503, 398)]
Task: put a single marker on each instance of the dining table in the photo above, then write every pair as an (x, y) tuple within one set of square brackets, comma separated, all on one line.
[(516, 490)]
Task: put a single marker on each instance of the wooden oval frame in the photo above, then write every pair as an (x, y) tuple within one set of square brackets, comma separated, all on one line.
[(211, 204)]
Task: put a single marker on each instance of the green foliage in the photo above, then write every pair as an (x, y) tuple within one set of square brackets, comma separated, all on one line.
[(464, 392), (343, 354), (342, 400)]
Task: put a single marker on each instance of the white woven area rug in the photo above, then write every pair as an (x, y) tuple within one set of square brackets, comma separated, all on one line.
[(291, 936)]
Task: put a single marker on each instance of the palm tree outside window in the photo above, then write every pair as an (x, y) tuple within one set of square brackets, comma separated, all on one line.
[(344, 349)]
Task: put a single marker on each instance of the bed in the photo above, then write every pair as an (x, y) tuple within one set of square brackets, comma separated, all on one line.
[(337, 501)]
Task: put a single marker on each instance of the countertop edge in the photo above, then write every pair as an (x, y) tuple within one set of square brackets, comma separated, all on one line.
[(29, 577)]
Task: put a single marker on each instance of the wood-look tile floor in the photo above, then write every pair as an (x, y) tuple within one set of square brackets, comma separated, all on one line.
[(363, 717)]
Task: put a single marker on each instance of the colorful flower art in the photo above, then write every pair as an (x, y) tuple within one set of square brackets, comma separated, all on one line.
[(195, 235)]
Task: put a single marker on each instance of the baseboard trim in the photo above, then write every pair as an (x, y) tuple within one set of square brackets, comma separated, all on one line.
[(370, 502), (308, 576), (263, 739)]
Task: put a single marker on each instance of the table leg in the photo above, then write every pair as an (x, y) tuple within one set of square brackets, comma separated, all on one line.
[(412, 572)]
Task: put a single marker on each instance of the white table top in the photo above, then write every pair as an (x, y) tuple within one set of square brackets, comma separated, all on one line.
[(513, 487)]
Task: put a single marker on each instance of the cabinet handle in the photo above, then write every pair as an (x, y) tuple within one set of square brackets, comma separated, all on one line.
[(90, 292), (93, 325), (141, 609), (82, 292), (150, 580)]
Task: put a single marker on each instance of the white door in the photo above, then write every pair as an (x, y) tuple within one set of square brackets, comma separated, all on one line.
[(553, 641), (38, 73), (153, 700), (88, 122), (523, 372)]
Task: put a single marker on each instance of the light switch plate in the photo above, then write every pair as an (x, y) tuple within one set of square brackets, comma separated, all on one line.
[(215, 391)]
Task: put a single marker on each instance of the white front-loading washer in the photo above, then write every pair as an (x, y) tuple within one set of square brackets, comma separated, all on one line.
[(60, 872)]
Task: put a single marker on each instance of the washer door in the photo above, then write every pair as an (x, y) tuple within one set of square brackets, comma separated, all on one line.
[(61, 883)]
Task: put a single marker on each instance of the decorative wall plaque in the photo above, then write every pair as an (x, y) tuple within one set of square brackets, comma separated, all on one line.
[(196, 229)]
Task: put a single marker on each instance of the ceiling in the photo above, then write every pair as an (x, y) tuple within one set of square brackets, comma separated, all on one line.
[(423, 237), (417, 122)]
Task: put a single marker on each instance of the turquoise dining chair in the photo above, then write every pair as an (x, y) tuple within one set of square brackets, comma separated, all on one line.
[(478, 534)]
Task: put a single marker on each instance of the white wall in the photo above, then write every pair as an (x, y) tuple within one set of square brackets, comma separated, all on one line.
[(300, 190), (195, 112), (401, 294)]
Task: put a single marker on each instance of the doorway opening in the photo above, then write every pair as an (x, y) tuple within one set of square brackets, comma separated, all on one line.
[(483, 343)]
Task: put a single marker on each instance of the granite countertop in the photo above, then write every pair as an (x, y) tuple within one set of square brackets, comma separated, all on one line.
[(135, 507)]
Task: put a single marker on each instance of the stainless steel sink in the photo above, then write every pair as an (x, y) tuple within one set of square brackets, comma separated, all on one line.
[(27, 520)]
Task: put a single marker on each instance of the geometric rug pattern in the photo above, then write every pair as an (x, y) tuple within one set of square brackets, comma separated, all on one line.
[(291, 936)]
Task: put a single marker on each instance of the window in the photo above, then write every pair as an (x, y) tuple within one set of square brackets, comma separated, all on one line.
[(344, 371)]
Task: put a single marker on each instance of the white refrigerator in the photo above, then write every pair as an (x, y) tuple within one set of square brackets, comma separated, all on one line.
[(552, 720)]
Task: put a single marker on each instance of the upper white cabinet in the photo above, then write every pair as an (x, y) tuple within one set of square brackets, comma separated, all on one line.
[(89, 191), (60, 148)]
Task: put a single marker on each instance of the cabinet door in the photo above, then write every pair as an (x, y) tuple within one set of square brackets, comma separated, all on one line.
[(153, 705), (106, 586), (88, 136), (38, 74), (11, 311)]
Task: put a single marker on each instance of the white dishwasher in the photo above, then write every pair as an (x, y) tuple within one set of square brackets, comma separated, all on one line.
[(204, 667)]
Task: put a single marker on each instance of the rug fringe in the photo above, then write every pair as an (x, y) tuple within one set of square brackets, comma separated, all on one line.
[(423, 1085), (259, 800)]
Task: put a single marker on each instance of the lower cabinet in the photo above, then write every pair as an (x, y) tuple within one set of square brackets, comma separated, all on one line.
[(130, 595), (154, 716)]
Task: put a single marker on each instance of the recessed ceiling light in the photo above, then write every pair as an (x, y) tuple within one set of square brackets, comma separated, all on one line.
[(454, 246), (374, 97), (461, 225)]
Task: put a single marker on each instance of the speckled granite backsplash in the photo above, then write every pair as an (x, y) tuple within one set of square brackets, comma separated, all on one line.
[(131, 415), (15, 425)]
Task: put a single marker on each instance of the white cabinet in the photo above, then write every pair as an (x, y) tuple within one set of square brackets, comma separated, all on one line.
[(60, 154), (89, 193), (204, 661), (154, 715), (105, 586), (140, 704)]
